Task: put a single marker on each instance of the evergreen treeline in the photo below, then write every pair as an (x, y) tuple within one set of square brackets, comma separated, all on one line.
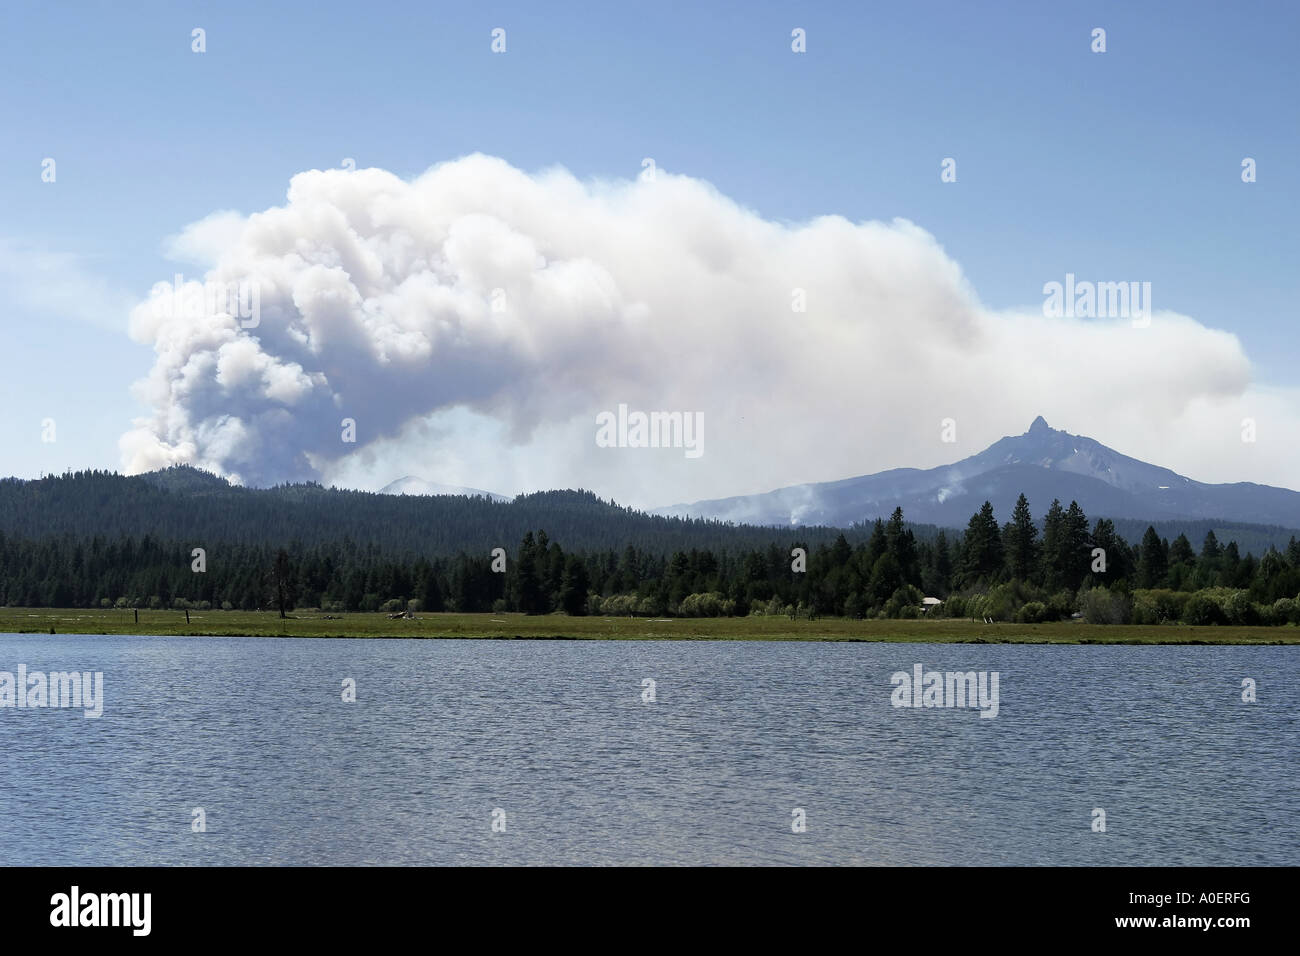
[(185, 505), (1021, 570), (1029, 573), (1249, 537)]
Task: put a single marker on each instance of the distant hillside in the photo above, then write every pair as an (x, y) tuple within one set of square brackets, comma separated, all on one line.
[(184, 504), (1251, 538), (1043, 463)]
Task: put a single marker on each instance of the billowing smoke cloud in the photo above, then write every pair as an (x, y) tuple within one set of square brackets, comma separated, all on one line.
[(525, 305)]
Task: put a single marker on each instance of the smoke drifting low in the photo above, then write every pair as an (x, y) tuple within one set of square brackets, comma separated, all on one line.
[(538, 302)]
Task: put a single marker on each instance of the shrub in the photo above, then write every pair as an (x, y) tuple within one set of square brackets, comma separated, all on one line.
[(619, 605), (1270, 615), (1059, 606), (1032, 613), (1145, 611), (1286, 610), (1170, 605), (1158, 606), (904, 598), (1102, 606), (1240, 609), (1201, 610), (706, 604), (1000, 603)]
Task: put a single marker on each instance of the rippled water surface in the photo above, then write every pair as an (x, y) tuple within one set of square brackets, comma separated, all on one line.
[(556, 734)]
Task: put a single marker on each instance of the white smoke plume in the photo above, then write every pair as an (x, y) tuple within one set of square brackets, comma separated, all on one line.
[(479, 293)]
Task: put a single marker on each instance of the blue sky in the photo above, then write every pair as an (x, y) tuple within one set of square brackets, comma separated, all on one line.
[(1118, 165)]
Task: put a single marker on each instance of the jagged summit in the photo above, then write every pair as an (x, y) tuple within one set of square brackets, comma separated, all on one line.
[(1043, 463)]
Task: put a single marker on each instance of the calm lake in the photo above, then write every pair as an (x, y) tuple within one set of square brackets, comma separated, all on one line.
[(557, 735)]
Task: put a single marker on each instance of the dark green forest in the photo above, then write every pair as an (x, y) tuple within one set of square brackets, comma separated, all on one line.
[(96, 539), (186, 505)]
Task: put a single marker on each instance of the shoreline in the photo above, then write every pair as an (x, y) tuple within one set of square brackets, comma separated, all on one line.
[(489, 626)]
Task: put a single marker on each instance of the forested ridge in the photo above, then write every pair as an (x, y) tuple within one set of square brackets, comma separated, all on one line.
[(186, 505), (77, 541)]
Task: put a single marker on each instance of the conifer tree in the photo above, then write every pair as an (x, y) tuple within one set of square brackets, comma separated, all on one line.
[(1021, 542)]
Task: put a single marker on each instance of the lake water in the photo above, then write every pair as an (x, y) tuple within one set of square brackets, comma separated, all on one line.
[(556, 735)]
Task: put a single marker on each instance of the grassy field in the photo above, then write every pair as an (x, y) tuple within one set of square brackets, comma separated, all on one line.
[(561, 627)]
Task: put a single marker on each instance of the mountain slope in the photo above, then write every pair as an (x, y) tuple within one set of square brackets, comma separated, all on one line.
[(1044, 463)]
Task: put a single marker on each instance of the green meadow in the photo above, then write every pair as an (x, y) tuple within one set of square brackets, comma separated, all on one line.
[(563, 627)]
